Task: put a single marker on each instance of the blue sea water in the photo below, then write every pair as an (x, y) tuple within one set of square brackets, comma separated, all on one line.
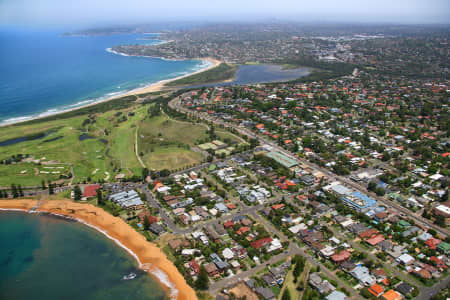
[(46, 257), (42, 72)]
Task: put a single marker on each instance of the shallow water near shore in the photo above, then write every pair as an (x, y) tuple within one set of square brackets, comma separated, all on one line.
[(46, 257)]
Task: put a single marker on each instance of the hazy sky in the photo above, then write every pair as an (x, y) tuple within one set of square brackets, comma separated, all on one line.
[(98, 12)]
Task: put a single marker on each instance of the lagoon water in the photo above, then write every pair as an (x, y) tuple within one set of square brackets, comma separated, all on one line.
[(42, 72), (262, 73), (46, 257), (248, 74)]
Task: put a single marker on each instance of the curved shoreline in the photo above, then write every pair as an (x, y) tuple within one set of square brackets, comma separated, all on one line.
[(149, 88), (149, 257)]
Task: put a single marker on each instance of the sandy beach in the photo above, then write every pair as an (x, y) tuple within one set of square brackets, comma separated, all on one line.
[(149, 256), (22, 205), (151, 88), (158, 86)]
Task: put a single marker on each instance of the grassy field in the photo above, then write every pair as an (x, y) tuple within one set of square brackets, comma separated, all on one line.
[(289, 282), (171, 158), (220, 73), (224, 135), (105, 148), (98, 145), (26, 173), (61, 146), (163, 130), (165, 143)]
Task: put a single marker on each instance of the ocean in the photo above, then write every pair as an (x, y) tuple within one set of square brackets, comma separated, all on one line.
[(47, 257), (43, 72)]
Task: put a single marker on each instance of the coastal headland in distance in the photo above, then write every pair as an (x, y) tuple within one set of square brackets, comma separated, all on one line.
[(149, 257)]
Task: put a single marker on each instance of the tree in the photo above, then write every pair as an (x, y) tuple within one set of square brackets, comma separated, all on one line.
[(298, 269), (286, 295), (14, 192), (444, 197), (202, 281), (254, 143), (77, 193), (19, 188), (99, 197), (440, 220), (380, 191), (145, 173), (164, 173), (365, 292), (51, 189), (146, 223), (43, 184)]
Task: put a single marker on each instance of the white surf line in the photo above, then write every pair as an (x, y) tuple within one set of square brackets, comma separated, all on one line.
[(14, 209)]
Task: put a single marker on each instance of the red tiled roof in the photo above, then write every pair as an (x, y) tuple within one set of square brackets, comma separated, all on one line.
[(277, 206), (341, 256), (368, 233), (376, 290), (231, 206), (433, 242), (439, 263), (152, 219), (228, 224), (261, 242), (194, 266), (391, 295), (242, 230), (90, 190), (376, 240)]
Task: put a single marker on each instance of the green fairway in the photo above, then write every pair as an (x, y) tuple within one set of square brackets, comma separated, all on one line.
[(98, 145)]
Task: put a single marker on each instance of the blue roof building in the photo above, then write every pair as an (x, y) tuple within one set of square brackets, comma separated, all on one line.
[(359, 201)]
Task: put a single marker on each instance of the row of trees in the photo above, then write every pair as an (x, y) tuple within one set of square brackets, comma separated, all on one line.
[(16, 191), (299, 262), (51, 187), (3, 194)]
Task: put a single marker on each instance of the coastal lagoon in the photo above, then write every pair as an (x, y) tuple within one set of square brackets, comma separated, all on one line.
[(248, 74), (43, 72), (47, 257), (253, 74)]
